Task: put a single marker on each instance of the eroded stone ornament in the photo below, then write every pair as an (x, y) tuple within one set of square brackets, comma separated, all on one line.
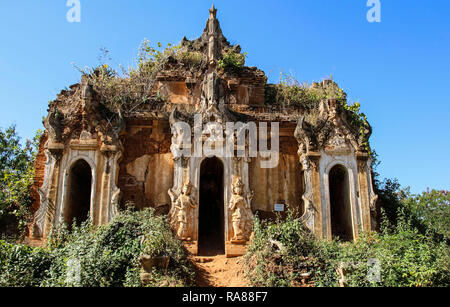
[(242, 216), (181, 209)]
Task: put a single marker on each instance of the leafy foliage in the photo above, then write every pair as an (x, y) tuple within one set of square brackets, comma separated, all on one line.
[(190, 59), (104, 257), (407, 258), (289, 92), (22, 266), (429, 212), (232, 61), (358, 119), (124, 91), (16, 179), (279, 253), (432, 209)]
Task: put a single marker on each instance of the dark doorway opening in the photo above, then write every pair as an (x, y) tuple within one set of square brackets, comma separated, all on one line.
[(341, 215), (211, 239), (78, 201)]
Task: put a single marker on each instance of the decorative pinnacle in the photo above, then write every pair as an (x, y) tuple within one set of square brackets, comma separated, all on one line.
[(212, 12)]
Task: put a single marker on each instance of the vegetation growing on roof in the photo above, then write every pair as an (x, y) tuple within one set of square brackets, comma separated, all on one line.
[(232, 61), (125, 90), (289, 92)]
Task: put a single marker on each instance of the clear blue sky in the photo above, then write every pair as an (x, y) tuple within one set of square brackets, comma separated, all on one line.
[(398, 69)]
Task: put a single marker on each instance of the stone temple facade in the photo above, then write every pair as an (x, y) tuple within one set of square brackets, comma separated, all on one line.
[(92, 164)]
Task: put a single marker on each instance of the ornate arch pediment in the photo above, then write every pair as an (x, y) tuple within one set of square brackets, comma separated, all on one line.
[(330, 132)]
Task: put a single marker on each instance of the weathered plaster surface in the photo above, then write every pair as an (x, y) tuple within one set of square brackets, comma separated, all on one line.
[(131, 158)]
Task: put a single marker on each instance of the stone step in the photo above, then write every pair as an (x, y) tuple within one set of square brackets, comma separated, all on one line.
[(203, 259)]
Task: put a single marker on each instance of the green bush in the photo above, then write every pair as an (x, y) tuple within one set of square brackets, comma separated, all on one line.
[(232, 61), (102, 257), (406, 258), (23, 266), (428, 212), (16, 179), (289, 92), (282, 250), (191, 59), (279, 253), (432, 209), (123, 91)]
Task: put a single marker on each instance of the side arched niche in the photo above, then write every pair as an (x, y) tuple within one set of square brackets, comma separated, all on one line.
[(340, 203), (79, 193)]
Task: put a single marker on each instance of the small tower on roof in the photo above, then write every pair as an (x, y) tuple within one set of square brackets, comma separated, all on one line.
[(212, 12), (213, 25), (213, 37)]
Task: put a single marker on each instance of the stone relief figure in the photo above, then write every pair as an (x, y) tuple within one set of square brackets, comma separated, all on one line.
[(180, 213), (242, 217), (307, 197), (115, 204)]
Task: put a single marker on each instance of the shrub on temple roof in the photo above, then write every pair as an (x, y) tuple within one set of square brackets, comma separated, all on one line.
[(232, 61), (291, 93), (125, 91)]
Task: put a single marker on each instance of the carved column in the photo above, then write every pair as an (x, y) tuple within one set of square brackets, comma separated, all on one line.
[(308, 195), (246, 179), (367, 193), (110, 193), (45, 216), (116, 193), (310, 159), (311, 196), (363, 185), (317, 199), (237, 166), (100, 215)]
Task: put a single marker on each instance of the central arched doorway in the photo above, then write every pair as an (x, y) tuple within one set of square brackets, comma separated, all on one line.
[(78, 195), (211, 232), (341, 214)]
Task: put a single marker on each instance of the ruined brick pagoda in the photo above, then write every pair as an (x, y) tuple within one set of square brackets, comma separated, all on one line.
[(95, 160)]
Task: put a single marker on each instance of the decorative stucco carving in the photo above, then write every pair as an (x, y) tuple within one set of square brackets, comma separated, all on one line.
[(373, 197), (307, 197), (180, 213), (330, 129), (362, 165), (373, 202), (304, 135), (46, 212), (115, 204), (242, 216), (81, 123)]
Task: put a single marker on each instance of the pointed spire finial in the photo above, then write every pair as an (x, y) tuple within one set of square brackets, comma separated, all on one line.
[(212, 12)]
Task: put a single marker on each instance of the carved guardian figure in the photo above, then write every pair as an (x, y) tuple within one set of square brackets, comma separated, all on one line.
[(180, 213), (242, 216)]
